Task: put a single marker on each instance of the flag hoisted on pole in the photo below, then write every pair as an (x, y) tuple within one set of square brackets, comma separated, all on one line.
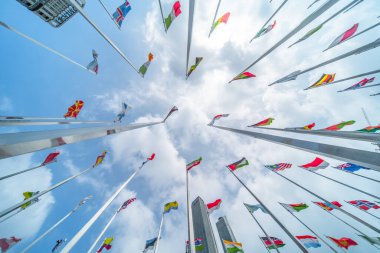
[(94, 218), (213, 21), (189, 35), (352, 173), (364, 205), (162, 15), (109, 14), (159, 233)]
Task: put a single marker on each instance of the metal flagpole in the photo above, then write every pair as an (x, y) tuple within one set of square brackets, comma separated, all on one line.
[(299, 245), (162, 15), (263, 230), (278, 9), (362, 49), (80, 10), (212, 232), (312, 231), (55, 225), (361, 87), (353, 6), (189, 32), (264, 244), (42, 45), (359, 157), (101, 233), (372, 179), (213, 21), (364, 210), (312, 4), (94, 218), (356, 76), (23, 122), (304, 23), (159, 234), (10, 216), (109, 14), (326, 201), (23, 171), (189, 217)]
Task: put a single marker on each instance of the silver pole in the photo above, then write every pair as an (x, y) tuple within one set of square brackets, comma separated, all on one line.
[(23, 171), (372, 179), (189, 32), (109, 14), (356, 76), (23, 122), (159, 234), (363, 210), (101, 233), (213, 21), (361, 87), (189, 217), (162, 15)]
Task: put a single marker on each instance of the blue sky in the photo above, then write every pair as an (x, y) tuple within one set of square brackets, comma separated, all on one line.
[(34, 82)]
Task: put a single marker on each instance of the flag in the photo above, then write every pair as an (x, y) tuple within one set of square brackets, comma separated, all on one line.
[(295, 207), (265, 122), (198, 243), (265, 30), (145, 66), (350, 167), (222, 19), (152, 156), (328, 206), (214, 205), (370, 129), (121, 12), (193, 67), (233, 247), (124, 110), (217, 117), (174, 109), (28, 195), (317, 164), (268, 243), (254, 208), (193, 164), (309, 241), (93, 66), (347, 34), (371, 240), (170, 206), (83, 201), (324, 80), (343, 242), (236, 165), (308, 34), (126, 204), (7, 243), (173, 14), (150, 244), (100, 159), (106, 244), (360, 84), (50, 158), (363, 204), (73, 111), (339, 126), (58, 244), (307, 127), (278, 166), (244, 75)]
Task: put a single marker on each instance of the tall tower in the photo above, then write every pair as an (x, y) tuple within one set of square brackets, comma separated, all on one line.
[(225, 231), (202, 226)]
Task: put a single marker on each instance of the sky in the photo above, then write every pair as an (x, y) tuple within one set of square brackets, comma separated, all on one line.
[(35, 82)]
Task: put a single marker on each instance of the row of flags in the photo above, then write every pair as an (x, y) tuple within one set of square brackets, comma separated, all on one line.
[(328, 79)]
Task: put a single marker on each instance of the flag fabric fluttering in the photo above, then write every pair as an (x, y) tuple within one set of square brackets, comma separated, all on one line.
[(150, 244), (217, 117), (189, 166), (350, 167), (268, 242), (371, 240), (295, 207), (343, 242), (233, 247), (308, 34), (327, 206), (170, 206), (100, 159), (145, 66), (279, 166), (214, 205), (174, 109), (28, 195), (265, 30), (236, 165), (74, 110), (124, 110), (193, 67), (58, 244), (7, 243), (51, 158), (222, 19), (309, 241), (316, 164), (106, 244), (173, 14), (359, 85), (93, 66), (324, 80), (244, 75), (198, 243), (126, 204), (370, 129), (152, 156), (121, 12), (363, 204), (347, 34), (265, 122), (339, 126), (254, 208)]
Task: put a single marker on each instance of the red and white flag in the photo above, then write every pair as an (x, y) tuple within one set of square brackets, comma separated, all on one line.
[(344, 36), (214, 205), (317, 164), (7, 243)]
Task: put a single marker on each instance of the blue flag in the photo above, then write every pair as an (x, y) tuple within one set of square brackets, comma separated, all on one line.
[(349, 167), (150, 244), (121, 12)]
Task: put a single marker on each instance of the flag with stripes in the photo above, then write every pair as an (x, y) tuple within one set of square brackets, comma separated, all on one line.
[(279, 166)]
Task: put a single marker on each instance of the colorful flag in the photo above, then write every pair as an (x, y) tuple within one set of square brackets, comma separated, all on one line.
[(222, 19), (350, 167), (124, 110), (328, 206), (198, 243), (265, 30), (254, 208), (193, 164), (214, 205), (295, 207), (174, 109), (150, 244), (106, 244), (170, 206), (7, 243), (343, 242), (347, 34), (121, 12), (73, 111), (265, 122), (309, 241), (307, 127), (51, 158), (370, 129), (236, 165), (217, 117), (126, 204), (268, 243), (173, 14), (99, 159), (371, 240), (193, 67), (28, 195), (339, 126), (278, 166), (363, 204), (58, 244), (93, 66), (324, 80), (233, 247), (244, 75), (145, 66), (359, 85), (317, 164)]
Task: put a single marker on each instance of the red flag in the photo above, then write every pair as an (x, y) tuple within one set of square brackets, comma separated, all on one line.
[(73, 111), (151, 157), (51, 158), (318, 163), (343, 242), (214, 205)]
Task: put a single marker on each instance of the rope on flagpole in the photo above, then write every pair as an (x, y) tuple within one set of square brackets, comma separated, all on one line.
[(213, 21)]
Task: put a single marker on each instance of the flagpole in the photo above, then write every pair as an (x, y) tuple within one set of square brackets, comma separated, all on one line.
[(312, 4), (109, 14), (10, 216), (189, 32), (27, 122), (212, 232), (265, 246), (159, 234), (213, 21), (263, 230), (101, 233), (23, 171), (363, 210), (326, 201), (362, 87), (299, 245), (353, 6), (189, 218), (162, 15), (356, 76), (312, 231)]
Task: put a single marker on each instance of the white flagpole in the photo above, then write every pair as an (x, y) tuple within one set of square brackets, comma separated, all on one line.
[(23, 171), (159, 234), (109, 14), (189, 32), (213, 21), (190, 230), (162, 15), (101, 233)]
